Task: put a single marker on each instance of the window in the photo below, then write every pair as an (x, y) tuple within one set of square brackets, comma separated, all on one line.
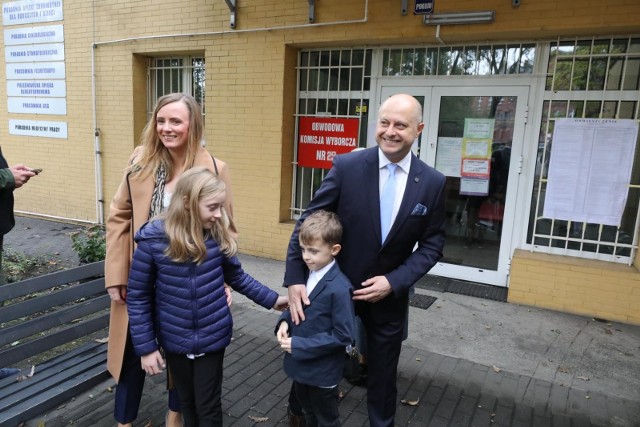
[(179, 74), (331, 83), (592, 78), (459, 60)]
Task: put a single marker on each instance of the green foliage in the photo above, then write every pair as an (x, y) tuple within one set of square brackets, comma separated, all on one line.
[(16, 265), (89, 244)]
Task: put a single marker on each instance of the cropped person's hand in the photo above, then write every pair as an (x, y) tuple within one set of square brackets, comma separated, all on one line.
[(21, 174), (152, 363), (281, 303), (285, 344), (373, 289), (297, 300), (118, 294), (227, 292), (283, 331)]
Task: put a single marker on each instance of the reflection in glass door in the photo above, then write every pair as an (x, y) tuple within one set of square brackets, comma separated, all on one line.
[(476, 162), (475, 139)]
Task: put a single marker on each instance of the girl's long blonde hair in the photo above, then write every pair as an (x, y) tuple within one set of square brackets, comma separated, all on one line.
[(182, 219), (153, 153)]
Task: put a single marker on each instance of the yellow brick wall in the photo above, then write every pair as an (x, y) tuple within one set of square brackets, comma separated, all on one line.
[(587, 287), (250, 86)]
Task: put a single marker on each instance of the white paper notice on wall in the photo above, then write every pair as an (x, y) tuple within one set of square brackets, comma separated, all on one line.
[(590, 170)]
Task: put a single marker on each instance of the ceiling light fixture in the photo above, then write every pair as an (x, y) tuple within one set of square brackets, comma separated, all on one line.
[(460, 18)]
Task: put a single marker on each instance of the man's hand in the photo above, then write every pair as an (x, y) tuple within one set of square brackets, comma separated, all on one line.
[(373, 289), (297, 300), (152, 363), (21, 174), (118, 294)]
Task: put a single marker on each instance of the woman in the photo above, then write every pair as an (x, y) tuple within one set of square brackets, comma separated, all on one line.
[(170, 145)]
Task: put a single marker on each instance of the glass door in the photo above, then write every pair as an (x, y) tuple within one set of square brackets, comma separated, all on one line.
[(474, 135)]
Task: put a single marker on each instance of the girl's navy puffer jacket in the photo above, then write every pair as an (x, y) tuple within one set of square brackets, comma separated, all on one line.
[(182, 307)]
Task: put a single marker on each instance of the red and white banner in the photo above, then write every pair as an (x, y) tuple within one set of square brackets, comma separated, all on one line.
[(320, 139)]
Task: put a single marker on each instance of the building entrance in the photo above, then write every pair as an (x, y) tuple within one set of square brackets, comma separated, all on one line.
[(474, 135)]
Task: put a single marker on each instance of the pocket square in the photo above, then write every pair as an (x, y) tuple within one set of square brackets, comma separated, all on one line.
[(419, 209)]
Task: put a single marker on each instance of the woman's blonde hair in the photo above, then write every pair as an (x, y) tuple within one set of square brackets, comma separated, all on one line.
[(153, 153), (182, 219)]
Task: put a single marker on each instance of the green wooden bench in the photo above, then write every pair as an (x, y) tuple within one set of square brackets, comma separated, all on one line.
[(45, 317)]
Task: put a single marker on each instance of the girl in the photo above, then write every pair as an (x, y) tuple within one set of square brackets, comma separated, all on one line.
[(176, 298)]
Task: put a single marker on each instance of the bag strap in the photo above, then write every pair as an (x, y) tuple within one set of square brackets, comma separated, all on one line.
[(215, 165)]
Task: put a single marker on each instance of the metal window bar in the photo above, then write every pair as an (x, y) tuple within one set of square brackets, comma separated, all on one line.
[(175, 74), (318, 95), (610, 247)]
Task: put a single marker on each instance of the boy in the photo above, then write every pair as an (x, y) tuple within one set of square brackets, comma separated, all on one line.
[(315, 349)]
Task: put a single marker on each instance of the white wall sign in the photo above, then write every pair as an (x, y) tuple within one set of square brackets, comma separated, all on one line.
[(28, 35), (37, 105), (35, 52), (36, 70), (55, 88), (38, 128), (449, 155), (590, 170), (31, 11)]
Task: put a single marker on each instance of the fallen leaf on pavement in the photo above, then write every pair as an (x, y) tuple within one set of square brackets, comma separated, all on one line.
[(496, 369), (410, 402), (102, 340), (582, 378), (258, 419)]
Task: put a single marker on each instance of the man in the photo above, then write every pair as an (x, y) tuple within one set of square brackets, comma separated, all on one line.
[(381, 269), (10, 178)]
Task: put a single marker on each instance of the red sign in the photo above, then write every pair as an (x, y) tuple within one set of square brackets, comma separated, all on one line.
[(320, 139)]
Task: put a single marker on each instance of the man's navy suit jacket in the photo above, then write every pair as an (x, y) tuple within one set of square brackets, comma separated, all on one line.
[(319, 343), (351, 190)]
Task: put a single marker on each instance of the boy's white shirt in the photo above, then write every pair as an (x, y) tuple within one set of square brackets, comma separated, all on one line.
[(316, 276)]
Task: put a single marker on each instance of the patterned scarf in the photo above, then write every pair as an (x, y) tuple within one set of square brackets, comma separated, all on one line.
[(158, 192)]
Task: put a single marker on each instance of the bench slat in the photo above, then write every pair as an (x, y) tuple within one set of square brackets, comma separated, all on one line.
[(72, 372), (49, 393), (60, 297), (36, 284), (57, 318), (20, 352), (45, 378)]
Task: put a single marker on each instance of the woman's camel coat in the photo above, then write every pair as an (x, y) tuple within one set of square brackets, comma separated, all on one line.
[(128, 212)]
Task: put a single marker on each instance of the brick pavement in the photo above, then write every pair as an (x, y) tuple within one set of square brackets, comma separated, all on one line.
[(449, 392), (452, 391)]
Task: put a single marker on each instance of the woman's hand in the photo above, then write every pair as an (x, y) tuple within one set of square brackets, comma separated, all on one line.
[(152, 363), (118, 294)]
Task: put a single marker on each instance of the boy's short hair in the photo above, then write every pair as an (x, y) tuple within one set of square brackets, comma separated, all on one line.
[(321, 225)]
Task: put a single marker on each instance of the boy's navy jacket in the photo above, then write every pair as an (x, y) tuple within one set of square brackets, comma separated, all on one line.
[(182, 306), (319, 342)]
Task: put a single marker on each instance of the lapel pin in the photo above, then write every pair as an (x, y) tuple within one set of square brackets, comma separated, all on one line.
[(416, 179)]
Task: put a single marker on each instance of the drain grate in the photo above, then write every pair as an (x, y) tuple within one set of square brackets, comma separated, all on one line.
[(422, 301), (460, 287)]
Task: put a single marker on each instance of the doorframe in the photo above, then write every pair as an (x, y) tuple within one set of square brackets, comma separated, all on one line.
[(519, 209)]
